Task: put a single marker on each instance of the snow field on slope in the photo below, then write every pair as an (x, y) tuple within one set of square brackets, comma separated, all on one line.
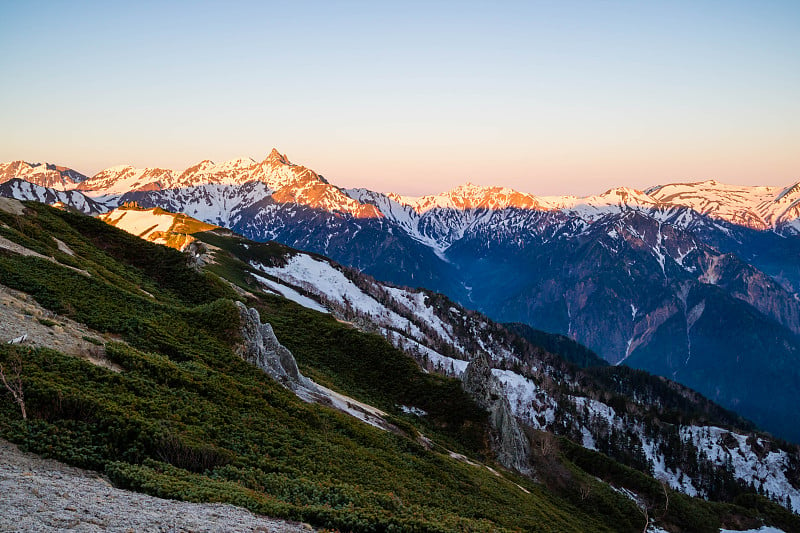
[(522, 395), (139, 223), (415, 302), (768, 473), (321, 277), (438, 360), (291, 294), (336, 280), (362, 411)]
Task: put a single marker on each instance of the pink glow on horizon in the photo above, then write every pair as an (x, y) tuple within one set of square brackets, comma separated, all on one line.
[(553, 174)]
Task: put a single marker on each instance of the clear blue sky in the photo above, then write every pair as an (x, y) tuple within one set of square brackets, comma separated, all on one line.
[(547, 97)]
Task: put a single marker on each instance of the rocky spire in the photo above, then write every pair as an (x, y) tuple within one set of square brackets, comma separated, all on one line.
[(508, 440), (261, 348)]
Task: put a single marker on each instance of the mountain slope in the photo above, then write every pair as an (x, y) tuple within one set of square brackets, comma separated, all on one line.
[(611, 271), (156, 225), (601, 406), (441, 335), (24, 190), (186, 418)]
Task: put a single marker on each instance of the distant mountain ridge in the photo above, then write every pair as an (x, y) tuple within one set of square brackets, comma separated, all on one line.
[(42, 174), (286, 181), (755, 207), (633, 275)]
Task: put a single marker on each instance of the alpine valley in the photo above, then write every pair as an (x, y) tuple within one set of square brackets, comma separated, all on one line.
[(280, 362)]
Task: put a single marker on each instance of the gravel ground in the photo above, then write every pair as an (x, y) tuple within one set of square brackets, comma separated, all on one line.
[(21, 315), (43, 495)]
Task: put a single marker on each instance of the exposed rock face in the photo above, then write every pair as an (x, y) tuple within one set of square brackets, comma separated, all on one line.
[(198, 254), (261, 348), (508, 441)]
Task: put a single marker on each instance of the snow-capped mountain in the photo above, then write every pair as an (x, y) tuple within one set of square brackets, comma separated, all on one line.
[(650, 277), (25, 190), (42, 174), (753, 207), (281, 179)]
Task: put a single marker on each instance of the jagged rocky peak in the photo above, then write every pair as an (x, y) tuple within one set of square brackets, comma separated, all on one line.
[(508, 440), (276, 157), (260, 347)]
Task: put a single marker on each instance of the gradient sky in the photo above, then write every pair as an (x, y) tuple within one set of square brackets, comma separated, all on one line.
[(556, 97)]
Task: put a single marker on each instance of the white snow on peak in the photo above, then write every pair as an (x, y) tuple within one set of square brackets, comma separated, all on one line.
[(116, 181), (236, 163), (615, 200), (275, 171), (469, 196), (758, 207), (42, 174)]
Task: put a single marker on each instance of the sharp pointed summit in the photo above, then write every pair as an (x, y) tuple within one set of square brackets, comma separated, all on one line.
[(276, 157)]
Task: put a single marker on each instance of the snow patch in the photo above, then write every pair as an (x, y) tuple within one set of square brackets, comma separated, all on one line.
[(291, 294)]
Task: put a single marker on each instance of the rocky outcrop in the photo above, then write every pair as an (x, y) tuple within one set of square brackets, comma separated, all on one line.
[(508, 440), (198, 255), (260, 347)]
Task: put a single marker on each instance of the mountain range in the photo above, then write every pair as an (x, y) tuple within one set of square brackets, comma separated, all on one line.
[(279, 380), (697, 282)]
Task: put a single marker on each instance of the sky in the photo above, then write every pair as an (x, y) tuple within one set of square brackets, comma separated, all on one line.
[(547, 97)]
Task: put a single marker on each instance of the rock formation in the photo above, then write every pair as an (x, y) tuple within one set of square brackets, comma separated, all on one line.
[(508, 440), (261, 348)]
